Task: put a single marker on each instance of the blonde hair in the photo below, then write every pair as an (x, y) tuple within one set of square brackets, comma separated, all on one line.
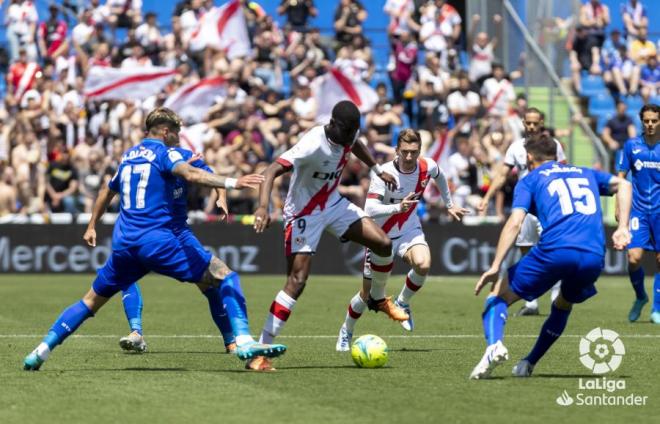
[(409, 136), (162, 116)]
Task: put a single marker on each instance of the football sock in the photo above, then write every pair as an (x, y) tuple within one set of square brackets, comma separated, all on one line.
[(414, 282), (355, 310), (219, 314), (132, 300), (66, 324), (380, 271), (552, 328), (532, 304), (494, 319), (656, 293), (234, 305), (556, 289), (280, 310), (637, 281)]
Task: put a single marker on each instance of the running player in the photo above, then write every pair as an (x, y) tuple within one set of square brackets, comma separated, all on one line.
[(394, 211), (313, 205), (572, 249), (516, 158), (143, 240), (641, 156), (131, 296)]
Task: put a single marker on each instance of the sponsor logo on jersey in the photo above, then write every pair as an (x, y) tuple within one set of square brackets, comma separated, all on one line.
[(328, 176)]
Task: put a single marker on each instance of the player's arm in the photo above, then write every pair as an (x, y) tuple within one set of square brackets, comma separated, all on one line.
[(261, 216), (456, 212), (361, 152), (198, 176), (106, 194), (495, 185), (623, 189)]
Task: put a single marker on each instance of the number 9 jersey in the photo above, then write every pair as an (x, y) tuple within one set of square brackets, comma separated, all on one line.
[(566, 201)]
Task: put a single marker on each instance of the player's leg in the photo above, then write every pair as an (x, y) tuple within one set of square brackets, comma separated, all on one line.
[(655, 313), (356, 308), (219, 314), (528, 237), (418, 256), (132, 301), (640, 230)]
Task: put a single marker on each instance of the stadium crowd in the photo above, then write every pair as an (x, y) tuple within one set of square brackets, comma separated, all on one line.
[(57, 148)]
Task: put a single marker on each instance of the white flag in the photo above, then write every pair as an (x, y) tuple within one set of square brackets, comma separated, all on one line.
[(194, 137), (192, 100), (333, 87), (222, 27), (126, 83)]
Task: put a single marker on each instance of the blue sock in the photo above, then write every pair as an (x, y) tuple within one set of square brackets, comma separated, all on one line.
[(637, 281), (656, 293), (552, 328), (132, 299), (67, 323), (494, 319), (219, 314), (234, 301)]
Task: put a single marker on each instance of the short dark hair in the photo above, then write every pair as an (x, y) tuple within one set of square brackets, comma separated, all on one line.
[(535, 110), (162, 116), (542, 147), (649, 107), (347, 113), (409, 136)]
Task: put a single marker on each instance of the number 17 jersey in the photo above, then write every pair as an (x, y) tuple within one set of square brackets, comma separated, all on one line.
[(566, 200)]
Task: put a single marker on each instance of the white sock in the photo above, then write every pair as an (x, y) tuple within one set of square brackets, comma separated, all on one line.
[(414, 282), (280, 310), (43, 351), (532, 304), (554, 292), (355, 310), (244, 339), (381, 267)]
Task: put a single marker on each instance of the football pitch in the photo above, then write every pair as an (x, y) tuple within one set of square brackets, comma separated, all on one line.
[(186, 377)]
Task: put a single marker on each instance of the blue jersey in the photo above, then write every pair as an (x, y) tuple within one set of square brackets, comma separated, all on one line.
[(180, 192), (644, 162), (566, 201), (145, 184)]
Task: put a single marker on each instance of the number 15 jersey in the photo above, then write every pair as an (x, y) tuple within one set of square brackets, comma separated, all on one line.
[(566, 200)]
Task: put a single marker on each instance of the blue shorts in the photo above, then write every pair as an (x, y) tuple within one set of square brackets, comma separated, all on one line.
[(645, 231), (178, 256), (539, 270)]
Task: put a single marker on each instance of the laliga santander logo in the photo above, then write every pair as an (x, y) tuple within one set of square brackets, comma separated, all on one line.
[(601, 350)]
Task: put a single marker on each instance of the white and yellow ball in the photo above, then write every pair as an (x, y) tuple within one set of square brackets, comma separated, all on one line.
[(369, 351)]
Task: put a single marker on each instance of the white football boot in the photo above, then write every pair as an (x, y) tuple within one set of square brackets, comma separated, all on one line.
[(409, 324), (134, 342), (495, 355), (344, 340), (524, 368)]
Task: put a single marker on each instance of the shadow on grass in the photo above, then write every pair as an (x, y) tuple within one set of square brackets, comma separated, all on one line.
[(574, 376)]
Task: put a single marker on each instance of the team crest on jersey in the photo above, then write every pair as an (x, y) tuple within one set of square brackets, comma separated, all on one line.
[(300, 240), (424, 183)]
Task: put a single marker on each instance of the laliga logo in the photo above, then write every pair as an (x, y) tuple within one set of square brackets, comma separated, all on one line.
[(601, 351)]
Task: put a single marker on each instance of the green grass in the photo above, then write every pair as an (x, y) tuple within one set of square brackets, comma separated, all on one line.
[(191, 380)]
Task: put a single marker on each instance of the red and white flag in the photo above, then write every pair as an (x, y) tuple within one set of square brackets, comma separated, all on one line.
[(192, 100), (194, 137), (222, 27), (439, 151), (27, 80), (333, 87), (126, 83)]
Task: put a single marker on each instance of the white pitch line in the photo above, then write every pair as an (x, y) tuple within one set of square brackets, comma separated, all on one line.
[(396, 336)]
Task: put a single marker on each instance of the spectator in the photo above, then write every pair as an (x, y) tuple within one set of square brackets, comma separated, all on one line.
[(583, 56), (623, 73), (463, 173), (92, 178), (634, 17), (594, 17), (617, 130), (432, 92), (650, 79), (149, 37), (482, 53), (7, 191), (52, 35), (21, 77), (381, 120), (349, 16), (642, 48), (497, 93), (464, 104), (441, 25), (404, 50), (401, 16), (62, 183), (21, 21), (124, 13), (612, 45), (297, 13)]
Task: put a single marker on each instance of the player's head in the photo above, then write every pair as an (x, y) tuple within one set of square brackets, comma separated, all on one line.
[(408, 148), (540, 148), (163, 124), (650, 116), (532, 121), (345, 123)]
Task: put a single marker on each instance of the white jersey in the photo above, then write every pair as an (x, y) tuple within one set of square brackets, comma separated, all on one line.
[(394, 222), (516, 156), (317, 166)]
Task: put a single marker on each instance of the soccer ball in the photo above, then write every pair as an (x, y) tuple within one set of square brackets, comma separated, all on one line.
[(369, 351)]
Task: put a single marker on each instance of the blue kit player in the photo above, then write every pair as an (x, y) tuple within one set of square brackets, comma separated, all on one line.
[(131, 296), (143, 239), (571, 249), (641, 157)]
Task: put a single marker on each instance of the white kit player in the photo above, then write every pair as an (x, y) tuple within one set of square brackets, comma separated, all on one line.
[(516, 157), (394, 211), (313, 205)]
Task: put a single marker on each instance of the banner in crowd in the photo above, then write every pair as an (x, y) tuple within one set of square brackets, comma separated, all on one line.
[(455, 249), (333, 87), (192, 100), (224, 28), (126, 83)]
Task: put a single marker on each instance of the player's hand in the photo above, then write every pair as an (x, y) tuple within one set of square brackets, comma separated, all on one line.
[(490, 276), (90, 237), (196, 156), (389, 180), (261, 220), (621, 238), (252, 181), (483, 205), (408, 202), (457, 213), (224, 210)]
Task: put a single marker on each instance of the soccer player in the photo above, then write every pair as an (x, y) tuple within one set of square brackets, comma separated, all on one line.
[(143, 240), (394, 212), (641, 156), (131, 296), (571, 249), (313, 205), (516, 158)]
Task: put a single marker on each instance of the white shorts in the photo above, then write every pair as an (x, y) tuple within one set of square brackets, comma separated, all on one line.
[(530, 232), (302, 235), (400, 245)]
